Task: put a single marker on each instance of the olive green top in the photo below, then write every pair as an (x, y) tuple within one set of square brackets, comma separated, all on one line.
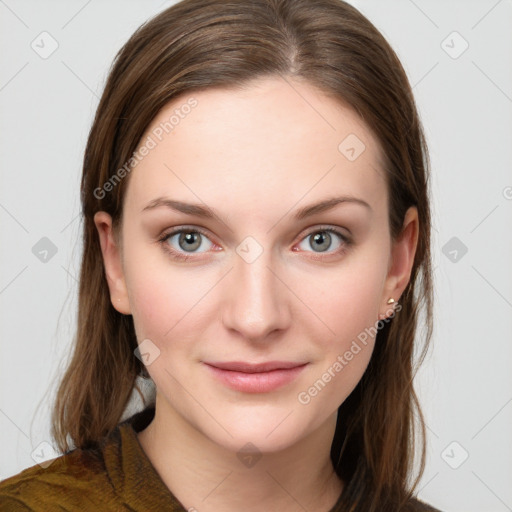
[(115, 476)]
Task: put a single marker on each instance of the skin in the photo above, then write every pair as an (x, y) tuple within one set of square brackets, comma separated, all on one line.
[(255, 156)]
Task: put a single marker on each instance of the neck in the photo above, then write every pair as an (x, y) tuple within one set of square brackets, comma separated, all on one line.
[(205, 476)]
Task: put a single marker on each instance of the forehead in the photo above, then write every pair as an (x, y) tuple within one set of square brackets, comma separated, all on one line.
[(275, 137)]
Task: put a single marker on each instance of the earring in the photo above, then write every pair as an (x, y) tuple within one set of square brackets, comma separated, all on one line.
[(391, 300)]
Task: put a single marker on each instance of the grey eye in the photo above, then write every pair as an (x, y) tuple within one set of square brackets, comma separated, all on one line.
[(322, 241), (189, 241)]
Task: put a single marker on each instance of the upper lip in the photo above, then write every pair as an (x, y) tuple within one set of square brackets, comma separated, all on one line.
[(241, 366)]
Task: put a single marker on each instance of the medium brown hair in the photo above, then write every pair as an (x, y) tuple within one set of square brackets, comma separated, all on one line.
[(198, 44)]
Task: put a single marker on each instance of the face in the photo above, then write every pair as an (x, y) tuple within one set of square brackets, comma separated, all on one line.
[(266, 276)]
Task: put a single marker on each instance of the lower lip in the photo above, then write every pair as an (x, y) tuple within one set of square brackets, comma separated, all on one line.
[(256, 382)]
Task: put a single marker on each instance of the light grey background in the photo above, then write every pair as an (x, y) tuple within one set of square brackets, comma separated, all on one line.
[(465, 100)]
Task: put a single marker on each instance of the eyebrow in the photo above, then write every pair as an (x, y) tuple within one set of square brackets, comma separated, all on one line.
[(200, 210)]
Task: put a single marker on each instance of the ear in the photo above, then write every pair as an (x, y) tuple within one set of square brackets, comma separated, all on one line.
[(402, 259), (113, 263)]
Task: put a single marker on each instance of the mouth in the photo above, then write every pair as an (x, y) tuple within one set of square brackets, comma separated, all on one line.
[(255, 378)]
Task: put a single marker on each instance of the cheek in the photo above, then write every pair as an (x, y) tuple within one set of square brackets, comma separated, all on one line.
[(348, 300), (344, 355), (348, 303), (161, 303), (161, 295)]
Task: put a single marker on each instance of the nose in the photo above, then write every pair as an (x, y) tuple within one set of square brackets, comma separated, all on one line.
[(256, 303)]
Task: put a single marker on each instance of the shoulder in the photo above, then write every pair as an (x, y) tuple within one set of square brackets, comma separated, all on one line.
[(72, 480), (415, 505), (113, 476)]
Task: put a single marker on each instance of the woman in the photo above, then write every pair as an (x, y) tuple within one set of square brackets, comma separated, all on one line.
[(257, 245)]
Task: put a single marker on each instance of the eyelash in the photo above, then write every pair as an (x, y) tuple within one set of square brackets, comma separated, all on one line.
[(346, 242)]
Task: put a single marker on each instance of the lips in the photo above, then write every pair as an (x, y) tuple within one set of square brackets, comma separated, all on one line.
[(240, 366), (255, 378)]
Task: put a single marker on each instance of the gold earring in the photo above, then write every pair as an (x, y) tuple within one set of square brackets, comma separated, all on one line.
[(391, 300)]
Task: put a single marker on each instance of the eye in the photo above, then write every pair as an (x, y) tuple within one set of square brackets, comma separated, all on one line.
[(183, 241), (325, 240)]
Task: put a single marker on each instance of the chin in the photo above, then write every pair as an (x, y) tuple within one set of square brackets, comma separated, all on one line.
[(267, 432)]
